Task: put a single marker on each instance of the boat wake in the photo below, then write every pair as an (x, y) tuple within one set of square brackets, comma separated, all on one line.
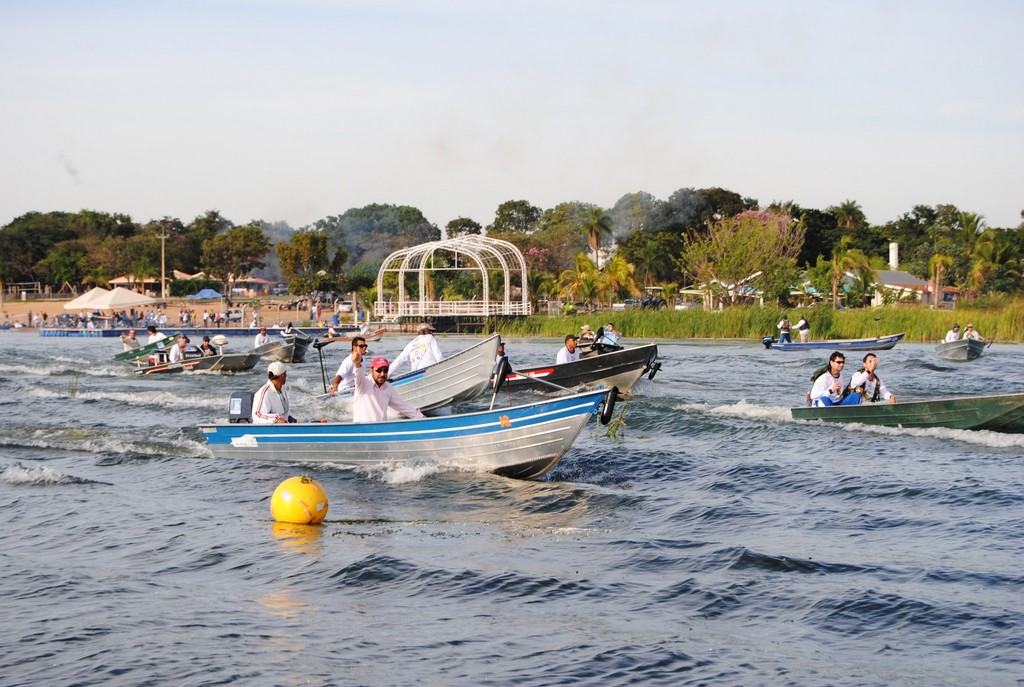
[(38, 476), (781, 414)]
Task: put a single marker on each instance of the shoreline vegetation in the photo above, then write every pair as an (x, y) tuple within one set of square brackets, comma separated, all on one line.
[(1003, 324)]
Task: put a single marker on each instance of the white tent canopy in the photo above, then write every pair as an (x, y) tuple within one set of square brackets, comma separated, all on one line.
[(85, 300), (120, 297)]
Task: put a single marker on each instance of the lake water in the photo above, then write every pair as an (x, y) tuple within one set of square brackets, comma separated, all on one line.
[(711, 541)]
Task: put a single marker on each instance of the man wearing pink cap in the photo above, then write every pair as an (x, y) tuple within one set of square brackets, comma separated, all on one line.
[(372, 397)]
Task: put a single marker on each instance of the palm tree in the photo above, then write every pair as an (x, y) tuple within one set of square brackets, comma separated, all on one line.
[(846, 259), (597, 223), (938, 265), (849, 215), (617, 278), (541, 285), (571, 282)]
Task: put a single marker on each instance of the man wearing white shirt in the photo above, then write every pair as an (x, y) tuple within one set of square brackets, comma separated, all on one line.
[(953, 334), (866, 383)]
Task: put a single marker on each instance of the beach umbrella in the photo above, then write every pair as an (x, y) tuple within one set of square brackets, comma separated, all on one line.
[(84, 301), (121, 297)]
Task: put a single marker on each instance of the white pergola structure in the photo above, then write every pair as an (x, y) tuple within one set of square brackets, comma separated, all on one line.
[(491, 262)]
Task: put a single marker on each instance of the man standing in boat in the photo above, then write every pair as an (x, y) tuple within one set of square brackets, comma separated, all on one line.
[(866, 384), (372, 397), (129, 342), (784, 326), (346, 375), (804, 327), (421, 351)]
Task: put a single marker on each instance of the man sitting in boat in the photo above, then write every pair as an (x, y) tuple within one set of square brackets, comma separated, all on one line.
[(177, 352), (586, 336), (207, 348), (953, 334), (261, 338), (372, 398), (609, 337), (868, 385), (569, 353), (971, 333), (129, 342), (270, 404), (828, 388), (346, 375)]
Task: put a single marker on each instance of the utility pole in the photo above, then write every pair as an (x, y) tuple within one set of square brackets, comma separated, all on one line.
[(163, 236)]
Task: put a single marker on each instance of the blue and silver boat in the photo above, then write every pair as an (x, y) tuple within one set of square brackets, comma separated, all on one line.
[(524, 441)]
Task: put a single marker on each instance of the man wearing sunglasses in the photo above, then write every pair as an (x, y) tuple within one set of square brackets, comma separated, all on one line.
[(346, 375), (373, 396), (829, 389)]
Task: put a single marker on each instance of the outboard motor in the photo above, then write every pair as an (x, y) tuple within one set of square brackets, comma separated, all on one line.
[(768, 341), (240, 407)]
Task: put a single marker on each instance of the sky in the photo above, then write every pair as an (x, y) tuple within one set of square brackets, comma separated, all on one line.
[(295, 110)]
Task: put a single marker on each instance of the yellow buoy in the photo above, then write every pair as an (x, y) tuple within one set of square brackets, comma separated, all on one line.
[(299, 500)]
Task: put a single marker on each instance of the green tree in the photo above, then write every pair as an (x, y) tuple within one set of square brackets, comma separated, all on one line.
[(597, 224), (236, 252), (846, 259), (755, 248), (463, 226), (617, 279), (514, 217)]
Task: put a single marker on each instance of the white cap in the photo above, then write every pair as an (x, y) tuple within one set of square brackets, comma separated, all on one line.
[(277, 368)]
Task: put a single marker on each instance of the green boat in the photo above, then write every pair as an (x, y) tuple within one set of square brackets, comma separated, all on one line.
[(143, 351), (1003, 413)]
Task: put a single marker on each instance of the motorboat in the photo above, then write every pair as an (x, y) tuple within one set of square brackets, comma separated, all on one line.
[(159, 362), (524, 441), (621, 368), (143, 352), (961, 350), (290, 348), (1001, 413), (878, 343)]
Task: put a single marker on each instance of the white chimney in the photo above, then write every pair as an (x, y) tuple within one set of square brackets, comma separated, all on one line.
[(894, 256)]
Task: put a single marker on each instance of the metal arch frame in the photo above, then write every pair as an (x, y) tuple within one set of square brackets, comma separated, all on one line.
[(481, 252)]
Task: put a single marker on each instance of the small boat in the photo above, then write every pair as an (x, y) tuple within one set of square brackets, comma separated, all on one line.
[(1003, 413), (348, 335), (134, 354), (159, 361), (455, 379), (878, 343), (223, 362), (622, 369), (290, 348), (524, 441), (961, 350)]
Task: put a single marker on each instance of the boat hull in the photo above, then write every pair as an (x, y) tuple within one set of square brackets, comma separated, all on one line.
[(961, 351), (291, 348), (525, 441), (1004, 413), (134, 354), (620, 369), (225, 362), (880, 343)]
